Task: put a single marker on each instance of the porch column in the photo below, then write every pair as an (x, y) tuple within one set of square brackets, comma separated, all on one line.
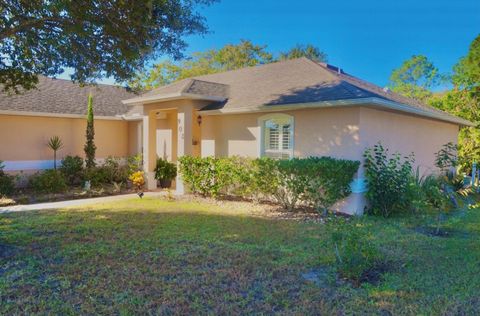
[(149, 150), (184, 139)]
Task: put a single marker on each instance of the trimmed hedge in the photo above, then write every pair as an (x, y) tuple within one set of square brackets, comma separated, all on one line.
[(315, 181)]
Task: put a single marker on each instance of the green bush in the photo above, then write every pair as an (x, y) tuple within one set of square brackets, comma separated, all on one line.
[(355, 251), (388, 179), (134, 163), (73, 170), (206, 176), (318, 182), (48, 181), (7, 182), (165, 170), (111, 171)]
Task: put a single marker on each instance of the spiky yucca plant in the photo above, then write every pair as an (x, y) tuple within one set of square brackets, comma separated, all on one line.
[(55, 143)]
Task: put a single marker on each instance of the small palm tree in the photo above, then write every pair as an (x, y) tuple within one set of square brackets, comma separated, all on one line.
[(55, 144)]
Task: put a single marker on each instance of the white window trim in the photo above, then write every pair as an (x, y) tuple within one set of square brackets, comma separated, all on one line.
[(261, 124)]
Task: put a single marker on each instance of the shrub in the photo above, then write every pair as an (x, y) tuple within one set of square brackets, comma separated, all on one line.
[(114, 170), (355, 251), (134, 163), (137, 179), (328, 179), (72, 169), (111, 171), (48, 181), (388, 179), (318, 182), (447, 157), (206, 176), (165, 170), (7, 183), (427, 192)]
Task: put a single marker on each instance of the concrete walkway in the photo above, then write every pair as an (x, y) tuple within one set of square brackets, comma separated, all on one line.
[(71, 203)]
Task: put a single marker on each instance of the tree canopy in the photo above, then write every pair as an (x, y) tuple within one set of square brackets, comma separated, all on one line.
[(415, 77), (309, 51), (95, 38), (229, 57), (464, 101)]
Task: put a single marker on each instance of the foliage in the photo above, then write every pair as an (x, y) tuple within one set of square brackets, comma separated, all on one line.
[(318, 182), (7, 183), (93, 38), (111, 171), (90, 147), (165, 170), (48, 181), (115, 170), (447, 158), (464, 101), (134, 163), (415, 77), (388, 179), (137, 179), (206, 176), (309, 51), (72, 169), (229, 57), (426, 191), (355, 251), (467, 70), (55, 143)]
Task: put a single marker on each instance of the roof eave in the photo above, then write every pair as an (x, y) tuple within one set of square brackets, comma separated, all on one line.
[(396, 106), (170, 97)]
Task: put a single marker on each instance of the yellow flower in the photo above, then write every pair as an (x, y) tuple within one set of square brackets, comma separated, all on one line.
[(137, 179)]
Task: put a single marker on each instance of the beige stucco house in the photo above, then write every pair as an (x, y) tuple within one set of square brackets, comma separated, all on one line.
[(294, 108)]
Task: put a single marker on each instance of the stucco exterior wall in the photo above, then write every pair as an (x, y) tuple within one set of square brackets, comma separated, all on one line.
[(24, 138), (406, 134), (317, 132)]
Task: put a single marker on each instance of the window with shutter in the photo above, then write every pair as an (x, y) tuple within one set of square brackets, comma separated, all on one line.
[(277, 131)]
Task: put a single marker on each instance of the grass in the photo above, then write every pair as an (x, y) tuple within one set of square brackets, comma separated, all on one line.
[(152, 256)]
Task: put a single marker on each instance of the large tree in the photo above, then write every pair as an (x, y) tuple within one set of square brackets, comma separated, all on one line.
[(229, 57), (309, 51), (415, 78), (95, 38), (464, 101)]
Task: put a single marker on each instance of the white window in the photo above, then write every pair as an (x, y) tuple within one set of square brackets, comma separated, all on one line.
[(277, 136)]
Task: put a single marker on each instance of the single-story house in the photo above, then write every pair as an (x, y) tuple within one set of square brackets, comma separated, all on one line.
[(294, 108)]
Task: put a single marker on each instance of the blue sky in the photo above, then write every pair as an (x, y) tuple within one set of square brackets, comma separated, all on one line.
[(366, 38)]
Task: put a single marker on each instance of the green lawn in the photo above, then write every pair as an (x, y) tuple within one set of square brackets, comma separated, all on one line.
[(160, 257)]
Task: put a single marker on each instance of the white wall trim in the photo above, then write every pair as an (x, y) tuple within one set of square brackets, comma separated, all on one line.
[(58, 115), (19, 165)]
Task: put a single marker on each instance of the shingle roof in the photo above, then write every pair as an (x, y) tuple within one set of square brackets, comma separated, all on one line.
[(291, 82), (60, 96), (192, 86), (299, 81)]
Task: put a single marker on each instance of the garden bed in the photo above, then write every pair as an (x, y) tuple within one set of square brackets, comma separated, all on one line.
[(28, 196)]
